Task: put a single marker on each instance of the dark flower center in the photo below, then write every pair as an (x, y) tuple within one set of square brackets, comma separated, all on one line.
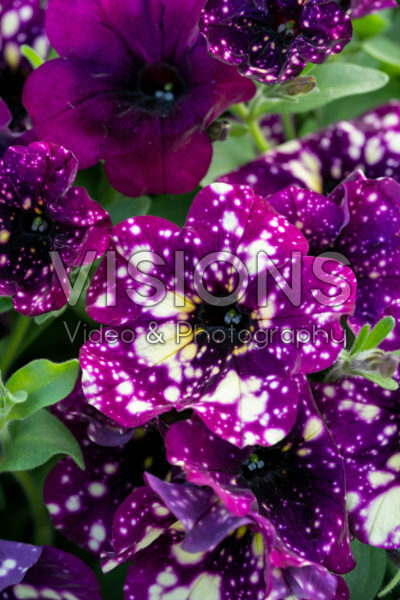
[(266, 468), (230, 320), (287, 28), (35, 224), (161, 86)]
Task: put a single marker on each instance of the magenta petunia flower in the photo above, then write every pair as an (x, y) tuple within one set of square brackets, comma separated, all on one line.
[(203, 340), (297, 484), (134, 86), (320, 161), (273, 40), (82, 504), (41, 213), (28, 571), (216, 552)]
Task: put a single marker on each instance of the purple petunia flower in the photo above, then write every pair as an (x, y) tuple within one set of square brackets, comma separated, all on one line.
[(297, 484), (320, 161), (359, 224), (219, 554), (215, 306), (21, 22), (365, 421), (28, 571), (41, 213), (135, 86), (273, 40), (82, 504), (360, 8)]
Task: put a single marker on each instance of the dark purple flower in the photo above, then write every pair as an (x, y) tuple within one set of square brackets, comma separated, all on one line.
[(21, 22), (208, 550), (359, 224), (215, 353), (297, 484), (365, 422), (360, 8), (273, 40), (82, 504), (370, 241), (135, 86), (41, 213), (44, 572), (322, 160)]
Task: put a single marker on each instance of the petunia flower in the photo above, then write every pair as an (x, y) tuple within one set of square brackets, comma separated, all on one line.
[(82, 504), (273, 40), (359, 224), (208, 551), (22, 22), (360, 8), (134, 86), (322, 160), (28, 571), (41, 213), (297, 484), (365, 422), (206, 343)]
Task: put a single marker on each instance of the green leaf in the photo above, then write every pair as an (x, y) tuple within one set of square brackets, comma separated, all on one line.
[(45, 383), (390, 586), (37, 439), (229, 155), (366, 579), (53, 314), (173, 208), (239, 129), (369, 25), (383, 49), (362, 336), (387, 383), (122, 208), (346, 108), (334, 80), (6, 304), (379, 333)]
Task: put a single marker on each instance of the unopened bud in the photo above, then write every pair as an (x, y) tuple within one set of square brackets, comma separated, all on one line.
[(300, 85), (376, 361), (219, 130)]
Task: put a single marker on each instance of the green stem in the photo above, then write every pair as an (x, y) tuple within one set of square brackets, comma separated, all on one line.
[(241, 111), (17, 337), (258, 136), (40, 515), (288, 126)]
